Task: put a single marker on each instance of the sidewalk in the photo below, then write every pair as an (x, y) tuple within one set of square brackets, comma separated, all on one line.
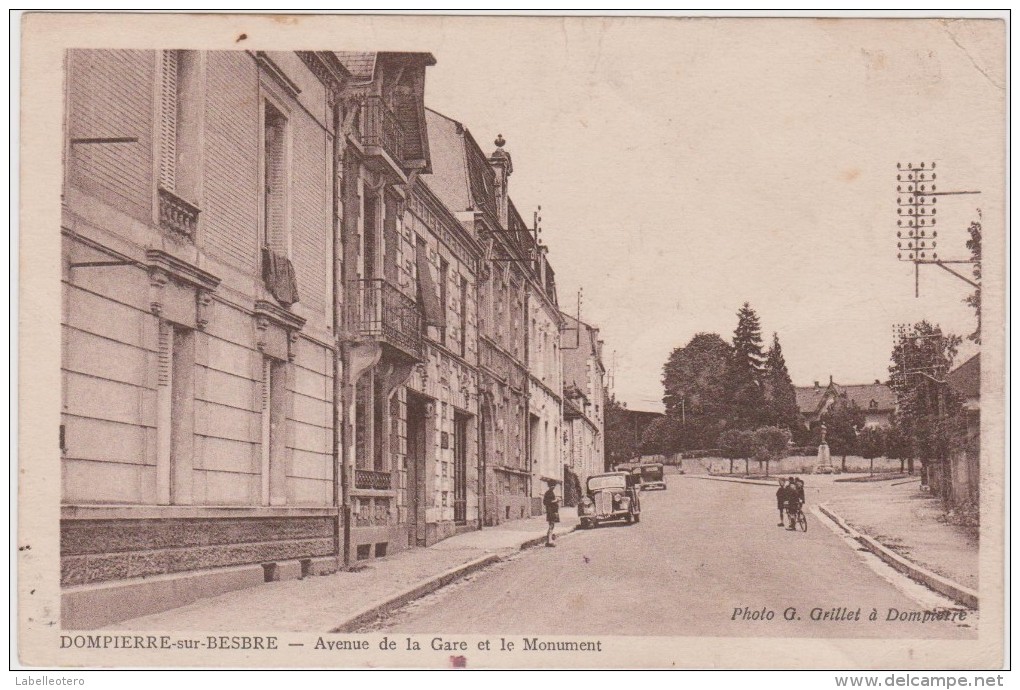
[(905, 520), (325, 603)]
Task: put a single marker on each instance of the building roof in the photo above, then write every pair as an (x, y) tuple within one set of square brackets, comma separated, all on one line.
[(811, 398), (570, 409), (966, 378), (360, 65), (449, 177)]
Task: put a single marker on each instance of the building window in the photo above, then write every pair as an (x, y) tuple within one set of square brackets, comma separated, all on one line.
[(175, 414), (178, 124), (274, 183), (463, 316), (274, 426), (444, 280)]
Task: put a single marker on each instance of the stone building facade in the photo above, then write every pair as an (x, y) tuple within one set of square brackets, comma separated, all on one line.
[(545, 371), (583, 398), (198, 350), (474, 187), (303, 325)]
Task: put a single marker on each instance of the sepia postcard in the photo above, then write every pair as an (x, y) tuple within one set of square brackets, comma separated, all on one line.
[(512, 342)]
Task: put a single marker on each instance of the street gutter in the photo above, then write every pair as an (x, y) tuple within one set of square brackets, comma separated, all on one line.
[(944, 586), (416, 591)]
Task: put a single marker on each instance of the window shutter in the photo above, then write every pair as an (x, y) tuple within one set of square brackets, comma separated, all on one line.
[(168, 120), (276, 182)]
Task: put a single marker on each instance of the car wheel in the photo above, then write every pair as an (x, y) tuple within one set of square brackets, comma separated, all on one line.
[(637, 517)]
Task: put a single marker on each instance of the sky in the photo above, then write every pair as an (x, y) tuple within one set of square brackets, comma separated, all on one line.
[(686, 166)]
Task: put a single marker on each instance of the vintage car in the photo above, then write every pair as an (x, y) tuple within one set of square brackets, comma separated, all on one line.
[(611, 496), (652, 477)]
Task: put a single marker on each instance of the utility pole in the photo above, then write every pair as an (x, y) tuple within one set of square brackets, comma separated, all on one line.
[(917, 205)]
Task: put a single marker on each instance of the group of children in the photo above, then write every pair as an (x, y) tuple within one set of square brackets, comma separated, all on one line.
[(790, 497)]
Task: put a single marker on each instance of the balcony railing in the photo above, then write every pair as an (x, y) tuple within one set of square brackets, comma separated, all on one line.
[(380, 127), (372, 480), (177, 216), (385, 313)]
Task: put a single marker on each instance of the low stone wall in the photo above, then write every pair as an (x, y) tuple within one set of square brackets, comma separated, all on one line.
[(95, 551), (794, 464)]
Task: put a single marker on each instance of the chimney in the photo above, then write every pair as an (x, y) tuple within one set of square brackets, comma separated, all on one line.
[(817, 385), (877, 382), (503, 166)]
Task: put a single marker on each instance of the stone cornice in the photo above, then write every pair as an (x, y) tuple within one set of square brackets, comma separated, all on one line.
[(277, 74), (278, 315), (181, 270)]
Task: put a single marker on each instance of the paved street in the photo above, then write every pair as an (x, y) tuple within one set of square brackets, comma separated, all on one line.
[(702, 549)]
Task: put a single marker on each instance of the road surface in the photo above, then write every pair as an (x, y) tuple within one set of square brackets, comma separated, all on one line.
[(706, 559)]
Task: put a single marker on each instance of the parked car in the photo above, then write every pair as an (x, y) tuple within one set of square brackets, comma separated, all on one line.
[(610, 496), (652, 476)]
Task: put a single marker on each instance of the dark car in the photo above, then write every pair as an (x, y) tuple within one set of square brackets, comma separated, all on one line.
[(652, 476), (610, 496)]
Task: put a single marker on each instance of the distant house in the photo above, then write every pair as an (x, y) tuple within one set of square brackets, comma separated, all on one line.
[(966, 381), (876, 399)]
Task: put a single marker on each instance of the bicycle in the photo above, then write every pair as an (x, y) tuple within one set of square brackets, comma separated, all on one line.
[(801, 519)]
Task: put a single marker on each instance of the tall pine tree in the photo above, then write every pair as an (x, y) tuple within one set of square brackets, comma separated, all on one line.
[(747, 344), (745, 379), (780, 394)]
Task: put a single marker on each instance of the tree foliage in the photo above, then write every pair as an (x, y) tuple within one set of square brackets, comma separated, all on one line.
[(694, 377), (770, 443), (621, 441), (974, 299), (746, 372), (924, 401), (664, 436), (781, 396), (736, 444)]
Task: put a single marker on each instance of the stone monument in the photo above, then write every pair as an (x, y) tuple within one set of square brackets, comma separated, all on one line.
[(824, 459)]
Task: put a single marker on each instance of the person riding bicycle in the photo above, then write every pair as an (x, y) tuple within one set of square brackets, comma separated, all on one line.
[(794, 502)]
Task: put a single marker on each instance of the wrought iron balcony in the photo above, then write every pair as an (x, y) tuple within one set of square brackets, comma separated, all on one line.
[(380, 127), (177, 216), (382, 312), (372, 480)]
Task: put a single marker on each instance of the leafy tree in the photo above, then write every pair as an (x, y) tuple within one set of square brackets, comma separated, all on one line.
[(871, 445), (737, 444), (621, 441), (897, 444), (843, 420), (925, 402), (694, 385), (770, 443), (664, 436), (974, 299), (746, 372), (780, 394)]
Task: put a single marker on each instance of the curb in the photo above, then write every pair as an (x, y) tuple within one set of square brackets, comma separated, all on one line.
[(958, 593), (417, 591), (427, 586), (527, 544), (759, 482)]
